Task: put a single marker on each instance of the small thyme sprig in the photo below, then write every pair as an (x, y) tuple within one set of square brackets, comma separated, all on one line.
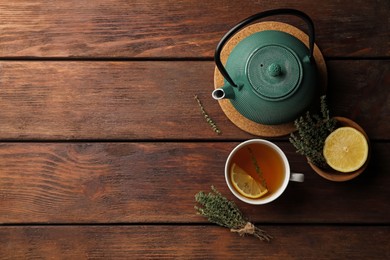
[(207, 117), (257, 168), (223, 212), (312, 132)]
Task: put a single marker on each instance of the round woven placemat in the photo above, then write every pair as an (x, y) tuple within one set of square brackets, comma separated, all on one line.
[(234, 116)]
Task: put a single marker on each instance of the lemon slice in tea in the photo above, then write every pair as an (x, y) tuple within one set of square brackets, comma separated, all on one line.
[(346, 149), (245, 184)]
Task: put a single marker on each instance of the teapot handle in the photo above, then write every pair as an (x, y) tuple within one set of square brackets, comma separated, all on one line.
[(235, 29)]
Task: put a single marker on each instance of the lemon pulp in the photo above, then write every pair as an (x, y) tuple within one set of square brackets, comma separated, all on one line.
[(245, 184), (346, 149)]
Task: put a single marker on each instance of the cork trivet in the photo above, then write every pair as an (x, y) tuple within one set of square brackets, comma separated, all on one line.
[(234, 116)]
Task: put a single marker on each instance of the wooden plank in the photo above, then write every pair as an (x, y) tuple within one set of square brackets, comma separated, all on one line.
[(153, 28), (156, 182), (154, 100), (195, 242), (362, 95)]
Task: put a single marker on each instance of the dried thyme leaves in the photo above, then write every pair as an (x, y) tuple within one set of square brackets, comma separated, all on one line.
[(312, 132), (207, 117), (223, 212)]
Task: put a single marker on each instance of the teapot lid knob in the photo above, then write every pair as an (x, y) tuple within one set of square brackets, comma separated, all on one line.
[(274, 70)]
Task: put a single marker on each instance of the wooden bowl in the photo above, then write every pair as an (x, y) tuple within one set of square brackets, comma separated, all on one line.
[(334, 175)]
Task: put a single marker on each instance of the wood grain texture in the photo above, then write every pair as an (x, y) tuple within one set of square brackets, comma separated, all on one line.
[(156, 183), (103, 147), (155, 100), (193, 242), (153, 28)]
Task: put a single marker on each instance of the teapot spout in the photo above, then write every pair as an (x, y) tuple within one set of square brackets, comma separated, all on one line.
[(224, 92)]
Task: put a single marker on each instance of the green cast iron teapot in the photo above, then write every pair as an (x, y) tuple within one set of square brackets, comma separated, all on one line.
[(270, 76)]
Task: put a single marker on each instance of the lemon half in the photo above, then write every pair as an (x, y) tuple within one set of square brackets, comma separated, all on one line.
[(346, 149)]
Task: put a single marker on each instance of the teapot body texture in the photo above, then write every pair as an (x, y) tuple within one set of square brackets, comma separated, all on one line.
[(275, 83), (270, 76)]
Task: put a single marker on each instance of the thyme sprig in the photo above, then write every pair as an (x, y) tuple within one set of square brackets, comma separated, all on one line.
[(207, 117), (223, 212), (312, 132), (257, 168)]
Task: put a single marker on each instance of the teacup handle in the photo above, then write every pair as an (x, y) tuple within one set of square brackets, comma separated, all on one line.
[(297, 177)]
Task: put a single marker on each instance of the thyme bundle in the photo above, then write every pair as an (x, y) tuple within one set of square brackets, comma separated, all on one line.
[(219, 210), (312, 132), (207, 117)]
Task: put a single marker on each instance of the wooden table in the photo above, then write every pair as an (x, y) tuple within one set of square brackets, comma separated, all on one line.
[(103, 146)]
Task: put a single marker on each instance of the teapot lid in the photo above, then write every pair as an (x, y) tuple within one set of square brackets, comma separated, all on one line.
[(274, 72)]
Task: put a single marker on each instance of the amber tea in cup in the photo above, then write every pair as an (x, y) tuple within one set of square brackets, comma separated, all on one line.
[(267, 166)]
